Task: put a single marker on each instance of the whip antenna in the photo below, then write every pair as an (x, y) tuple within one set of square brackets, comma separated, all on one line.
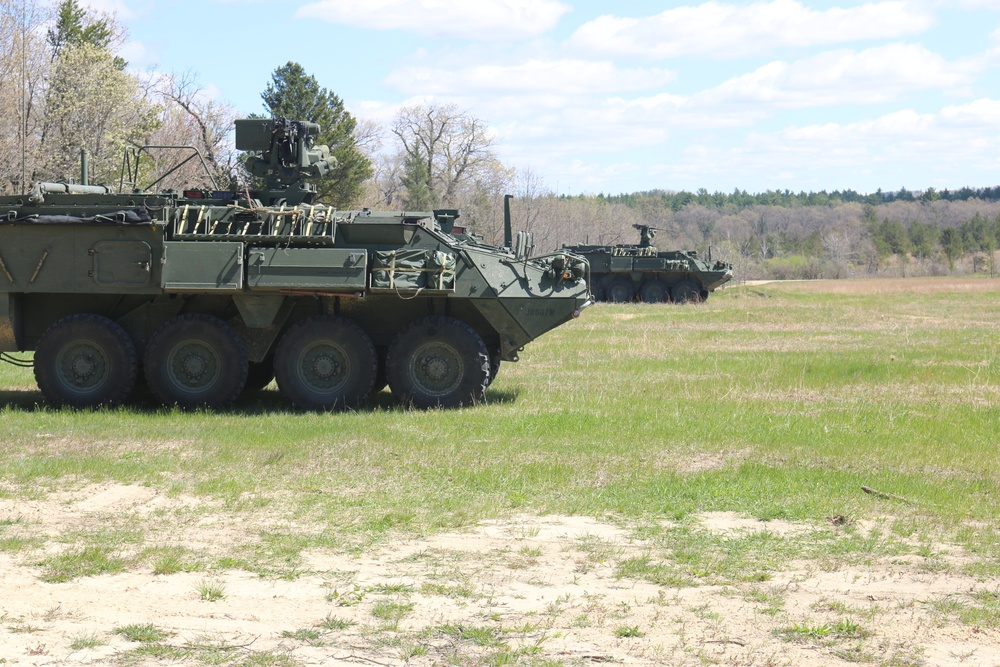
[(24, 91)]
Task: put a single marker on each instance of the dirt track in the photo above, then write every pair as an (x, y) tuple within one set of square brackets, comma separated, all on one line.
[(524, 591)]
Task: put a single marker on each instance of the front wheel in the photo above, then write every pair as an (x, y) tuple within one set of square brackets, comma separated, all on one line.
[(196, 360), (438, 361), (325, 363), (85, 361), (686, 291)]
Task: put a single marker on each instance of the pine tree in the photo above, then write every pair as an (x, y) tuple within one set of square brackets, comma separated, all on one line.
[(73, 29), (416, 179), (296, 95)]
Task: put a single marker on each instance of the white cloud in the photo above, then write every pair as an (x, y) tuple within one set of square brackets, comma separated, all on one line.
[(532, 77), (901, 146), (471, 19), (723, 30), (138, 55), (871, 76), (623, 146)]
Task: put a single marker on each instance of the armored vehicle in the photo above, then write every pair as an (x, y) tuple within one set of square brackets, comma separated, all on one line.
[(623, 273), (202, 293)]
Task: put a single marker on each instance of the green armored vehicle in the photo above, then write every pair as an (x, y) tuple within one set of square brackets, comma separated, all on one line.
[(622, 273), (203, 293)]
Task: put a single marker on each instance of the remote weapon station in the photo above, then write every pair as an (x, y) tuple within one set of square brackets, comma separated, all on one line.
[(202, 293)]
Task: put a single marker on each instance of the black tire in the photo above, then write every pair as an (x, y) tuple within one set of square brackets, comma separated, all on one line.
[(620, 290), (324, 363), (259, 374), (438, 361), (196, 360), (597, 292), (654, 291), (686, 291), (86, 361)]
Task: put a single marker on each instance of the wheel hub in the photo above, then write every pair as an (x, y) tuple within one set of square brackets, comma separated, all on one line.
[(83, 366), (434, 368), (326, 367), (194, 365)]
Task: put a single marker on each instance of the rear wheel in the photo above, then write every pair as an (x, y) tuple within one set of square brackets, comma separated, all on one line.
[(686, 291), (196, 360), (85, 361), (620, 291), (324, 363), (654, 291), (438, 361)]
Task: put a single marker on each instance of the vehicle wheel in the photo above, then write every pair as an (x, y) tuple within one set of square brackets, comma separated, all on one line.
[(85, 361), (196, 360), (259, 374), (654, 291), (686, 291), (438, 361), (597, 291), (620, 291), (325, 362)]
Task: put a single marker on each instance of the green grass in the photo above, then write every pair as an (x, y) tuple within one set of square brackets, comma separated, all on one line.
[(144, 633), (777, 402), (211, 590), (85, 562), (86, 640)]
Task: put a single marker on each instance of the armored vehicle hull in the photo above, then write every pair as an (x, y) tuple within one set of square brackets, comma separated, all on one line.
[(203, 294), (625, 273)]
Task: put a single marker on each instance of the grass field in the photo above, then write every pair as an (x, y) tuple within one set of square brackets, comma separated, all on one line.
[(864, 415)]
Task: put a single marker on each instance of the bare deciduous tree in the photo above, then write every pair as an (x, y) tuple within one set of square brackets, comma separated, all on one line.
[(456, 146), (190, 118), (24, 65)]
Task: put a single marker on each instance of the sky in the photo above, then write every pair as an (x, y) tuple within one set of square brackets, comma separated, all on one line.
[(633, 95)]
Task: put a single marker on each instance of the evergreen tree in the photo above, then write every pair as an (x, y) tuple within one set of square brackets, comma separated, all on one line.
[(73, 29), (296, 95), (416, 180), (952, 245)]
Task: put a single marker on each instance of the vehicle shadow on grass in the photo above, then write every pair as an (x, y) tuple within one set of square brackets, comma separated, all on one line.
[(267, 401)]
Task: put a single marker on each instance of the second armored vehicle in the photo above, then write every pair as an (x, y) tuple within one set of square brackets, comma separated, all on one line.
[(624, 273), (201, 293)]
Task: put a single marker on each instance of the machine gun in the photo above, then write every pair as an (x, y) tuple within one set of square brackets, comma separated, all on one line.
[(288, 157), (647, 234)]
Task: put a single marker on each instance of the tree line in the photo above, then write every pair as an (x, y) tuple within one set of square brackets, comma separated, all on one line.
[(69, 89), (742, 199)]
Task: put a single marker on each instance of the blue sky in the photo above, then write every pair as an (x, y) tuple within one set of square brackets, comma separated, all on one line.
[(636, 94)]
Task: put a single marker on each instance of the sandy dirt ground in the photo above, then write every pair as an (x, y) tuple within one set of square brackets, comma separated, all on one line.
[(529, 590)]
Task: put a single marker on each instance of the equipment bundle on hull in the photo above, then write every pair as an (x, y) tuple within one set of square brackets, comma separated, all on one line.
[(208, 293)]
